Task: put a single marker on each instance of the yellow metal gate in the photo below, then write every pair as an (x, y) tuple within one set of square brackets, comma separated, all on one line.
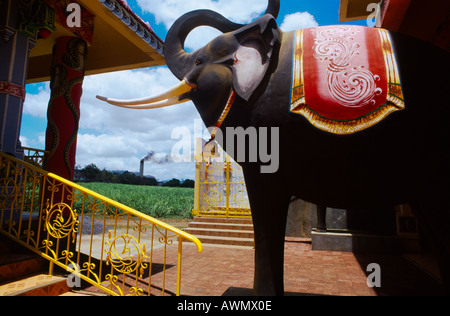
[(219, 186)]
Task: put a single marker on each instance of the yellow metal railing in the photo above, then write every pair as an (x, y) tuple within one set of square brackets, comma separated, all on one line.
[(220, 189), (35, 156), (100, 241)]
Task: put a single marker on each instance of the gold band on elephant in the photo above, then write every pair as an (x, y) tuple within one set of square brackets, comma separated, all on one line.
[(222, 118)]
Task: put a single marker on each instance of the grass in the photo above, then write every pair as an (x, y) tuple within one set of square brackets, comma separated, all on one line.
[(161, 202)]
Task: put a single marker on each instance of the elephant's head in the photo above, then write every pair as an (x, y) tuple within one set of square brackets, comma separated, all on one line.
[(235, 62)]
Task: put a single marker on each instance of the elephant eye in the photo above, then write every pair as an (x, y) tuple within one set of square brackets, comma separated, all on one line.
[(198, 62)]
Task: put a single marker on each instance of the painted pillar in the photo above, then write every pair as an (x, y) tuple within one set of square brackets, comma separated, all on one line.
[(17, 39), (67, 75)]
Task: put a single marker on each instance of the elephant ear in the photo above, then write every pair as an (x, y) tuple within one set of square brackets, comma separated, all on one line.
[(253, 56)]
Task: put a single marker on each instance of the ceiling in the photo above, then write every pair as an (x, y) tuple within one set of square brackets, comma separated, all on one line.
[(115, 46), (428, 20)]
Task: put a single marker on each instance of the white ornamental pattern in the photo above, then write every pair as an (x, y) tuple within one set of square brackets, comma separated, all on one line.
[(351, 86)]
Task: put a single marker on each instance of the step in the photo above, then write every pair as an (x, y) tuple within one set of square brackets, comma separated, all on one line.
[(84, 293), (227, 241), (17, 261), (223, 220), (37, 285), (218, 225), (14, 266), (224, 232), (219, 232), (25, 217), (5, 247)]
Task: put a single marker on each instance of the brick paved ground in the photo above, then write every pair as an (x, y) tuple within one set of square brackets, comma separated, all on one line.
[(228, 271), (221, 271)]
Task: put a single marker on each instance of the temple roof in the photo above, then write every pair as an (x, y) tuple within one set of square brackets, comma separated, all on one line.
[(118, 39), (427, 20), (352, 10)]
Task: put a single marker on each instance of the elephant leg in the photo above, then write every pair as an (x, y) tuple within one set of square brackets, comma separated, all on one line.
[(433, 213), (427, 213), (438, 244), (269, 211), (444, 264), (269, 220)]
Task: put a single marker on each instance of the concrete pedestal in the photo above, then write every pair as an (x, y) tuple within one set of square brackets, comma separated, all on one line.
[(354, 242), (354, 231), (299, 221)]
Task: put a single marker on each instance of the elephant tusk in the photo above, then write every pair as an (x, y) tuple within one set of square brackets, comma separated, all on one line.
[(155, 105), (178, 90)]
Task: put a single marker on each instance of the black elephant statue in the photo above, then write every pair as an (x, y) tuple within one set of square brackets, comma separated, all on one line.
[(352, 116)]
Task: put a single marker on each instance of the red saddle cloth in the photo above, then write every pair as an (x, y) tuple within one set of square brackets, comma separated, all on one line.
[(345, 78)]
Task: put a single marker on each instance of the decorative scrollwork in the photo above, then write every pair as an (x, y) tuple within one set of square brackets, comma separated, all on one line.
[(8, 193), (136, 291), (222, 189), (28, 235), (131, 256), (164, 238), (66, 254), (61, 221), (113, 279), (140, 227), (349, 86), (89, 268)]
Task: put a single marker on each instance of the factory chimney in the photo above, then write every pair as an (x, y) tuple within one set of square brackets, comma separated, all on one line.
[(141, 171)]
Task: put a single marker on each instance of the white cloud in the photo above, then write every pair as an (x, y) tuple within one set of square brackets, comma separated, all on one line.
[(25, 141), (115, 138), (37, 104), (121, 137), (298, 20), (168, 11), (199, 37), (115, 152)]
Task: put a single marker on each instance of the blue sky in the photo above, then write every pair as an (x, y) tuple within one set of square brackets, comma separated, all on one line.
[(325, 12), (116, 139)]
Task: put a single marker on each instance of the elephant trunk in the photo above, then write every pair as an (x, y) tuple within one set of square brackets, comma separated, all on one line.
[(177, 59), (273, 8)]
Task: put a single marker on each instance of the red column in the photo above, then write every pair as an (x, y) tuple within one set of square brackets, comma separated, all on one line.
[(69, 59)]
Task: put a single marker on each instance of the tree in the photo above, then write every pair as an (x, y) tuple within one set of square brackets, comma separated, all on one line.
[(109, 177), (188, 183), (148, 181), (91, 173), (172, 183), (127, 178)]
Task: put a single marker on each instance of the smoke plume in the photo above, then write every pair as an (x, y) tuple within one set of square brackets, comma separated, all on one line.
[(156, 158)]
